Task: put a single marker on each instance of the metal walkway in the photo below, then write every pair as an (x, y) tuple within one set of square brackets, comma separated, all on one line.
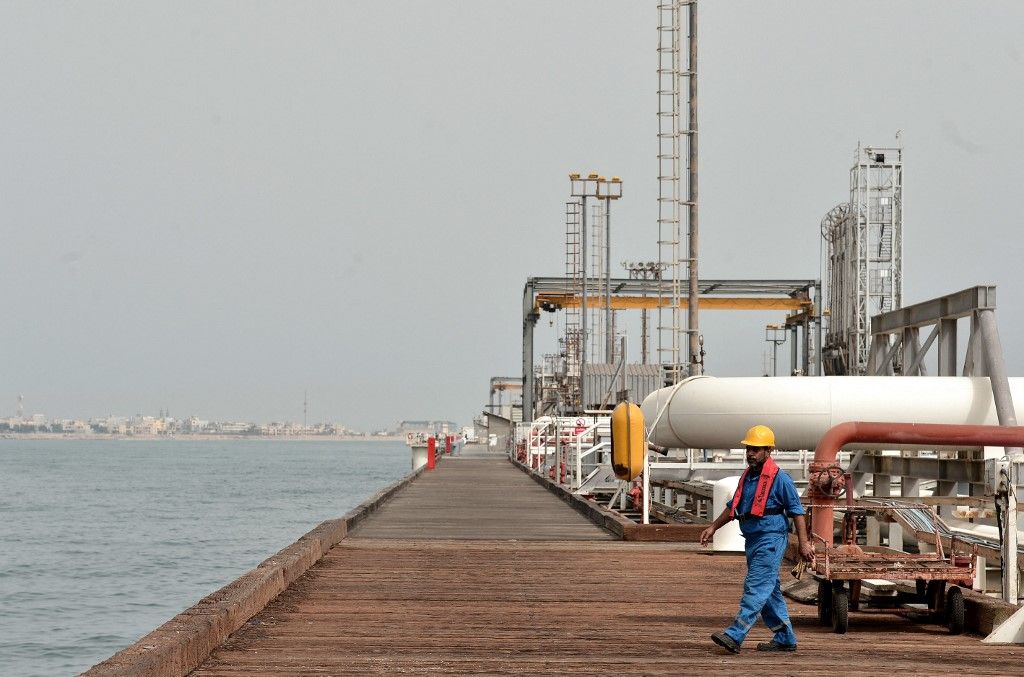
[(474, 569)]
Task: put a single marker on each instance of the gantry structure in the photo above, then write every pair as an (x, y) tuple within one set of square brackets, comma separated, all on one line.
[(550, 294)]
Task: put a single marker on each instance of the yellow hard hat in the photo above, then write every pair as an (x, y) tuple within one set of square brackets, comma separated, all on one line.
[(759, 436)]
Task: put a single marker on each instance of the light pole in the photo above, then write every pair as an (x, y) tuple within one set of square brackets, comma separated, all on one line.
[(771, 334), (583, 188), (608, 191), (644, 270)]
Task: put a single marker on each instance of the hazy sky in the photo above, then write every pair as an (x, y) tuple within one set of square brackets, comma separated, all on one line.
[(211, 207)]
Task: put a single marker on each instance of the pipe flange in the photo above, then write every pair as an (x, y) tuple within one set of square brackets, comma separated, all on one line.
[(826, 479)]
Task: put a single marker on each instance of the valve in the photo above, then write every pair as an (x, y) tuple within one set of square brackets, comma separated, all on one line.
[(636, 494), (828, 481)]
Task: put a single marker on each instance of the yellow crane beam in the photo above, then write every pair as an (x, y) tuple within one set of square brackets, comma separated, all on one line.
[(548, 300)]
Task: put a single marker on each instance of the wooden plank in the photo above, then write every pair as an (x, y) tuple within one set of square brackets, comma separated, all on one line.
[(546, 596), (477, 498), (501, 607)]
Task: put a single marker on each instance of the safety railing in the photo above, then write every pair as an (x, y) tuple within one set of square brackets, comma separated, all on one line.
[(570, 451)]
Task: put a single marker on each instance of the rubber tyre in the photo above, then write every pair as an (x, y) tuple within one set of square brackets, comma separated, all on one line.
[(825, 603), (955, 610), (840, 611), (922, 590)]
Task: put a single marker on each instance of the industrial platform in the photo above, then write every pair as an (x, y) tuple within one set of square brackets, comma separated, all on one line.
[(475, 569)]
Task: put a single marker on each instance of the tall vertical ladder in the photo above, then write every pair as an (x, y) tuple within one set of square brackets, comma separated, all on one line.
[(675, 255), (669, 320), (574, 274)]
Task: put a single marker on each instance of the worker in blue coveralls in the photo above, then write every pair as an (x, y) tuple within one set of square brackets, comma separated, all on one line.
[(765, 497)]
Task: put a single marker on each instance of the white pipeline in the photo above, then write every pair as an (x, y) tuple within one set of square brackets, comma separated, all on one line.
[(705, 412)]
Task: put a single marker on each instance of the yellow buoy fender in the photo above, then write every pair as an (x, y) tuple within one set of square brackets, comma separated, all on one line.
[(628, 440)]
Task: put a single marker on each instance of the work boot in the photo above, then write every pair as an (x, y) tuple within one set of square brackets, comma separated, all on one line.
[(775, 646), (726, 642)]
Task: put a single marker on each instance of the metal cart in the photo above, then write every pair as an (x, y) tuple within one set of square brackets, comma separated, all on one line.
[(840, 571)]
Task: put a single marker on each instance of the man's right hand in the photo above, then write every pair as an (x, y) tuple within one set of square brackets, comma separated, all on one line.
[(707, 535)]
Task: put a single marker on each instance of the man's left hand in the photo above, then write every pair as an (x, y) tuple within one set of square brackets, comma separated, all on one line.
[(807, 551)]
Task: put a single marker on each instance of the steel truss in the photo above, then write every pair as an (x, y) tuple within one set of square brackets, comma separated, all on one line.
[(896, 349)]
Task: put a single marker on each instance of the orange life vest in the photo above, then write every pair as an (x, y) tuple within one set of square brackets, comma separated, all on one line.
[(764, 487)]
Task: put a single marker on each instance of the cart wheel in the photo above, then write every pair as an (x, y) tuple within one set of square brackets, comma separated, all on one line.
[(922, 590), (955, 610), (840, 611), (936, 594), (825, 603)]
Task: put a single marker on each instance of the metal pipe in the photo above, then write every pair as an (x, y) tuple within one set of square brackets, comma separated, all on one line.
[(693, 322), (609, 348), (625, 387), (818, 348), (646, 513), (583, 302), (793, 351), (822, 473), (997, 369), (706, 412), (529, 322), (1007, 417)]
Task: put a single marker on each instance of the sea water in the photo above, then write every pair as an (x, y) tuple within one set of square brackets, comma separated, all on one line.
[(102, 541)]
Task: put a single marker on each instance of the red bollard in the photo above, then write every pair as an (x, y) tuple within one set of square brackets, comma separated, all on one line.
[(448, 444), (431, 453)]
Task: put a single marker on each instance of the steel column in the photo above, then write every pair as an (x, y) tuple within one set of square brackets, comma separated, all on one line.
[(1007, 417), (530, 318)]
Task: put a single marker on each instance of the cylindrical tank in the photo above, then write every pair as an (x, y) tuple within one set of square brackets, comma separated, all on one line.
[(705, 412), (728, 538)]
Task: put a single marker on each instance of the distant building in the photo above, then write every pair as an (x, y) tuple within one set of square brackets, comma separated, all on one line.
[(146, 425), (234, 427), (111, 425), (194, 426), (74, 426)]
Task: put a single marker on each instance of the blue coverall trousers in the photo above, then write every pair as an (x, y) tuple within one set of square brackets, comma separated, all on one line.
[(762, 592)]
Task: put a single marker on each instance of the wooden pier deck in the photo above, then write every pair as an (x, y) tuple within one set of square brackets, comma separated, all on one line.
[(474, 569)]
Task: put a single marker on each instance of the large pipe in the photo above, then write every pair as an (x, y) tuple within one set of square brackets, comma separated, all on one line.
[(705, 412), (899, 435), (1007, 416)]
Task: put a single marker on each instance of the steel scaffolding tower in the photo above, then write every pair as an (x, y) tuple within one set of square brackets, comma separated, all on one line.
[(679, 259), (865, 257)]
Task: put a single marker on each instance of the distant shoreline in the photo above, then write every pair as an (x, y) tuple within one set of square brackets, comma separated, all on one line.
[(194, 438)]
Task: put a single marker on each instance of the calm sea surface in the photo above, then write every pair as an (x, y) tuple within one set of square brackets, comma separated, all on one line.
[(101, 541)]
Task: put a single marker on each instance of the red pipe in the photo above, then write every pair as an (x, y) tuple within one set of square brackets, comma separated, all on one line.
[(823, 486), (431, 453)]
